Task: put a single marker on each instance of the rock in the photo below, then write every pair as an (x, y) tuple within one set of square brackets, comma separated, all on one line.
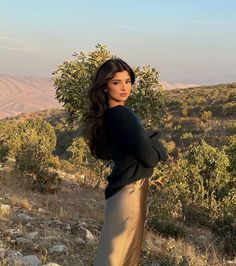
[(13, 232), (49, 238), (31, 260), (5, 210), (83, 224), (89, 237), (6, 196), (60, 248), (68, 227), (22, 240), (24, 218), (33, 235), (79, 241), (81, 177), (13, 257)]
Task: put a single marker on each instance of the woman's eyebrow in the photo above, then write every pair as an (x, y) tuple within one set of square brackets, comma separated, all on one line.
[(120, 79)]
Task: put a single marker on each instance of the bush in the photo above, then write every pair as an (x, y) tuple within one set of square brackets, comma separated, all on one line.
[(187, 137), (4, 151), (55, 162), (82, 158), (231, 129), (10, 137), (185, 111), (225, 223), (206, 115), (207, 170), (229, 108), (193, 186), (46, 181), (32, 159), (166, 228), (231, 152)]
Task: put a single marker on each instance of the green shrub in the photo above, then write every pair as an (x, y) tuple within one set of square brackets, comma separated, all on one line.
[(185, 111), (46, 181), (231, 129), (4, 151), (38, 142), (80, 155), (187, 137), (166, 228), (206, 115), (82, 158), (207, 170), (10, 136), (231, 152), (225, 223), (193, 186), (229, 108)]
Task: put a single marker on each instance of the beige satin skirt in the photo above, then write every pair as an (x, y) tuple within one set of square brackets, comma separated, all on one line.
[(121, 237)]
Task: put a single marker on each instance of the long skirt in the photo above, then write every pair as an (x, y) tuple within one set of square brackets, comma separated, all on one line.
[(120, 242)]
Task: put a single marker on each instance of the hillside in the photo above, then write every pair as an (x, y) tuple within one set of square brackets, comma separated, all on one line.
[(64, 227), (21, 94)]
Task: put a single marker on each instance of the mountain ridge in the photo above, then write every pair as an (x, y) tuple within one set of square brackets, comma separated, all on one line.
[(22, 94)]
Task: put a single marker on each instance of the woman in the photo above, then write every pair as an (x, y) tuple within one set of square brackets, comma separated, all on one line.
[(113, 131)]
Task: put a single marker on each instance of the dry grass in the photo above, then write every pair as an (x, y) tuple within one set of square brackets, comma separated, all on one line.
[(170, 252), (75, 201), (21, 202), (4, 211)]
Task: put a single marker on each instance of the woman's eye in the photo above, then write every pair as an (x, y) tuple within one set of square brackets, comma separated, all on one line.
[(128, 81), (115, 83)]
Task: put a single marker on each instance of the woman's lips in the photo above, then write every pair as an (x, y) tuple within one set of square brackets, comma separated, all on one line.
[(123, 94)]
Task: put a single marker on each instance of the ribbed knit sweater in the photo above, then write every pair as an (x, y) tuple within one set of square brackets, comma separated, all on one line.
[(133, 151)]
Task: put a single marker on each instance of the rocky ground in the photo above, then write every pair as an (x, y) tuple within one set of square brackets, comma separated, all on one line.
[(63, 228)]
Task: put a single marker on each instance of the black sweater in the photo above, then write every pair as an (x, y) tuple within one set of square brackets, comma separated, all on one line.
[(133, 152)]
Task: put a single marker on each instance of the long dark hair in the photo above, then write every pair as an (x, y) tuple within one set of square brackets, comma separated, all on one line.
[(92, 121)]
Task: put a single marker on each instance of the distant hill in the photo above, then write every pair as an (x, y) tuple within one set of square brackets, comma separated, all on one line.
[(22, 94), (169, 86)]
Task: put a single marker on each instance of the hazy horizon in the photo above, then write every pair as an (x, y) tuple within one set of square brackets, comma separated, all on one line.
[(187, 41)]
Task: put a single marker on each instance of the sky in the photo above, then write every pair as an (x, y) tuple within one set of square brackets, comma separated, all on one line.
[(187, 41)]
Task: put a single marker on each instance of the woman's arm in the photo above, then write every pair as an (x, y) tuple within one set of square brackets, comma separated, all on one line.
[(154, 136), (144, 152), (126, 130)]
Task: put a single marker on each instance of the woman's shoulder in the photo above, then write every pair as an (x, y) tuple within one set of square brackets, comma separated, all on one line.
[(122, 120), (119, 110), (120, 114)]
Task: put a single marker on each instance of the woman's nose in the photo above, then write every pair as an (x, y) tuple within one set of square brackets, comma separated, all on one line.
[(123, 86)]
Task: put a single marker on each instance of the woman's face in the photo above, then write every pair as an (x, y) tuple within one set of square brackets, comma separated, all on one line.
[(118, 88)]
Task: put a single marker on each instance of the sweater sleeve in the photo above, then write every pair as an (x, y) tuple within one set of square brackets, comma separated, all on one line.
[(158, 146), (126, 130)]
